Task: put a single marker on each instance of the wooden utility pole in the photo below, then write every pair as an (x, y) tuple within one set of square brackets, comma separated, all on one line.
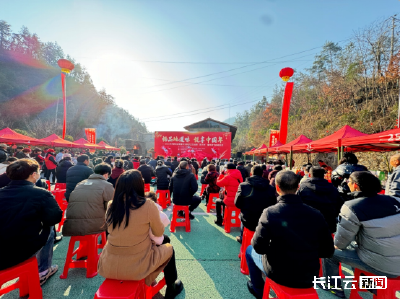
[(392, 39)]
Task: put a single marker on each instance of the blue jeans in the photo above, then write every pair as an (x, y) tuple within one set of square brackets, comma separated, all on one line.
[(45, 255), (256, 269), (349, 257)]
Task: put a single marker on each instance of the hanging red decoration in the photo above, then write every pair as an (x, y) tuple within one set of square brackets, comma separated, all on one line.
[(286, 73), (66, 67)]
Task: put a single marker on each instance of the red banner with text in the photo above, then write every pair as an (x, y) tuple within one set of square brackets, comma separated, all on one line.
[(91, 135), (193, 144), (273, 137)]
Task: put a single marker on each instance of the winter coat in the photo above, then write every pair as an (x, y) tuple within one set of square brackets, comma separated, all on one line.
[(243, 171), (323, 196), (129, 253), (393, 183), (3, 168), (128, 165), (374, 223), (203, 176), (248, 168), (230, 181), (26, 216), (61, 170), (168, 163), (152, 163), (136, 164), (40, 159), (292, 237), (20, 155), (253, 196), (204, 164), (196, 166), (147, 173), (175, 164), (162, 173), (87, 206), (75, 175), (115, 173), (183, 186), (3, 155), (211, 180)]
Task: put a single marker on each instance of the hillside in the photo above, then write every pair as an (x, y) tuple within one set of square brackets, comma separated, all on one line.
[(354, 83), (30, 89)]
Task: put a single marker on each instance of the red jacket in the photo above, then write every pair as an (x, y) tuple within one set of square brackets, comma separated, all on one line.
[(136, 164), (230, 182)]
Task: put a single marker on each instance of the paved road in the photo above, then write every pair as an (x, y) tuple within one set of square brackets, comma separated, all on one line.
[(207, 263)]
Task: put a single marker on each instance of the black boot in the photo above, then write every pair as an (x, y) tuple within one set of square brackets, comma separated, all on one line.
[(175, 290), (218, 221)]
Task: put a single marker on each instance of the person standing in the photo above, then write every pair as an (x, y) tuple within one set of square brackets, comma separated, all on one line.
[(19, 154), (51, 164), (289, 240), (393, 182), (60, 155), (242, 169), (77, 173), (3, 153), (183, 187), (229, 180), (88, 203), (27, 217), (136, 163), (174, 164)]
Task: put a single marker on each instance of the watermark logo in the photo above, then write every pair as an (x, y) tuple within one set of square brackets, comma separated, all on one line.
[(365, 282)]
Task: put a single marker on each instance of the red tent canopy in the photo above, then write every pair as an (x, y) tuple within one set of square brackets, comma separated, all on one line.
[(55, 141), (258, 150), (302, 139), (85, 144), (9, 136), (107, 147), (383, 141), (251, 152), (273, 148), (329, 143)]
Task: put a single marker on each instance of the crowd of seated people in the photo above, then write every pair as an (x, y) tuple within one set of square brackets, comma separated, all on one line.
[(293, 216)]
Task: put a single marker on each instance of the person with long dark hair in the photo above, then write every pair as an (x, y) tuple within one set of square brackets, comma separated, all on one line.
[(129, 253)]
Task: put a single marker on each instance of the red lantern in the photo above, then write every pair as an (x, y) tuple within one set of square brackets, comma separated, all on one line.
[(65, 65), (286, 73)]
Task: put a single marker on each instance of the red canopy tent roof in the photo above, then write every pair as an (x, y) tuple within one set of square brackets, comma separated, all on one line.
[(329, 143), (251, 152), (258, 150), (383, 141), (55, 141), (107, 147), (9, 136), (85, 144), (273, 148), (302, 139)]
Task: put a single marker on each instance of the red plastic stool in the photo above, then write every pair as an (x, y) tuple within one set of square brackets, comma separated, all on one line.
[(28, 282), (228, 218), (211, 203), (246, 241), (63, 204), (147, 187), (127, 289), (203, 188), (283, 292), (163, 198), (393, 285), (88, 246), (48, 185), (175, 223), (60, 186)]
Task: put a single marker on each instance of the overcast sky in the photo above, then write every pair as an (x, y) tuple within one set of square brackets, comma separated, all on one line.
[(162, 60)]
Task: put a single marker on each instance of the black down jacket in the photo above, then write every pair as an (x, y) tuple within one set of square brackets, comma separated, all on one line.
[(323, 196), (26, 214), (253, 196), (147, 173), (61, 170), (183, 186), (75, 175), (162, 173)]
